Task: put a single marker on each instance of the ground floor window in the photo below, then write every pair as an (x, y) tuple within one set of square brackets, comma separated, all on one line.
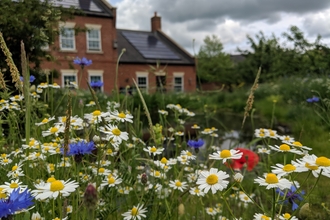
[(178, 82)]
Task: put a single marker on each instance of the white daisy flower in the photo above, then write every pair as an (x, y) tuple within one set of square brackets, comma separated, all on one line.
[(211, 211), (36, 216), (258, 216), (226, 154), (56, 130), (263, 150), (207, 131), (14, 184), (54, 86), (121, 116), (195, 126), (113, 133), (196, 191), (51, 190), (111, 181), (287, 216), (245, 198), (43, 85), (163, 112), (91, 103), (298, 145), (17, 98), (285, 148), (271, 180), (188, 154), (153, 150), (271, 133), (45, 121), (286, 138), (213, 179), (177, 184), (157, 174), (137, 212), (323, 163), (283, 170)]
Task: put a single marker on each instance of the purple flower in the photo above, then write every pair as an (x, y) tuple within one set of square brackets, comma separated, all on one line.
[(292, 196), (195, 144), (82, 62), (80, 148), (16, 201), (313, 99), (32, 78), (96, 84)]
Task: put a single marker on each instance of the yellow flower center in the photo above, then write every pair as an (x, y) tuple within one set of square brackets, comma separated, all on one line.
[(225, 154), (14, 168), (16, 96), (323, 161), (153, 149), (271, 178), (272, 133), (189, 154), (45, 120), (178, 184), (286, 215), (50, 180), (53, 130), (297, 144), (289, 168), (2, 195), (31, 143), (64, 119), (261, 134), (157, 173), (163, 160), (55, 84), (265, 217), (101, 170), (56, 185), (134, 211), (13, 185), (121, 115), (284, 147), (96, 113), (212, 179), (6, 160), (111, 180), (210, 209), (109, 151), (3, 155), (196, 190), (116, 131)]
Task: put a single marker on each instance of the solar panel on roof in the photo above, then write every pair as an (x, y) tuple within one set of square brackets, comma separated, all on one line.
[(149, 46)]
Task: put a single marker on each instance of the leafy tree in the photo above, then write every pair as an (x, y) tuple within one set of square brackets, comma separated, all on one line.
[(213, 64), (35, 23)]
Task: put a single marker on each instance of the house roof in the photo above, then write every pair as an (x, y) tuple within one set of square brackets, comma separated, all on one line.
[(150, 47), (89, 7)]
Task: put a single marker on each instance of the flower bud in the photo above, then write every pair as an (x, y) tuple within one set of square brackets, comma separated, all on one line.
[(181, 209), (144, 178), (238, 177), (90, 197)]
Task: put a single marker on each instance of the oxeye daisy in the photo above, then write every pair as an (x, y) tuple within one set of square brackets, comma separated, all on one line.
[(56, 130), (287, 216), (263, 150), (213, 179), (226, 154), (53, 189), (45, 121), (323, 163), (114, 133), (177, 184), (14, 184), (298, 145), (196, 191), (111, 181), (271, 180), (283, 170), (258, 216), (121, 116), (153, 150), (211, 211), (137, 212), (286, 148)]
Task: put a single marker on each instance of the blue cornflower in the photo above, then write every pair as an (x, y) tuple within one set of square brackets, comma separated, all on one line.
[(313, 99), (195, 144), (82, 62), (16, 202), (292, 196), (96, 84), (32, 78), (80, 148)]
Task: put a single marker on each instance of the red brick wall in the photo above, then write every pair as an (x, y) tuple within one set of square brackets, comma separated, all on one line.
[(101, 61), (128, 71)]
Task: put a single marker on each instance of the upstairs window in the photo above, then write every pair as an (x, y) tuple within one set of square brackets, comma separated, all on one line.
[(67, 36), (93, 36)]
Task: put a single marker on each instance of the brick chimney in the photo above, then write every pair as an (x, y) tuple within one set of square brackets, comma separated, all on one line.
[(156, 23)]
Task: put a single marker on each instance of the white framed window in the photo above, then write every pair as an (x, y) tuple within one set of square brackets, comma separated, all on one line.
[(69, 78), (67, 36), (178, 79), (93, 36), (96, 76), (142, 81)]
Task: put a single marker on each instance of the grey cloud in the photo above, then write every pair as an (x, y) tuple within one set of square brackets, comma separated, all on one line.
[(242, 10), (202, 25), (317, 25)]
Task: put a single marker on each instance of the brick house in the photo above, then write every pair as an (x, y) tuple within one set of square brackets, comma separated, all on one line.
[(102, 43)]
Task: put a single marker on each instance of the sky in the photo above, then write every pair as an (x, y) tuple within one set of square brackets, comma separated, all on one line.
[(188, 22)]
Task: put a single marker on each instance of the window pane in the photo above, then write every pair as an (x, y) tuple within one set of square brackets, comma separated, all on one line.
[(178, 84), (95, 78), (93, 34), (93, 40), (67, 38)]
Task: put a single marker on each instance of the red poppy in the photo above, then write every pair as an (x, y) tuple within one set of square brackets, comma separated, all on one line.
[(249, 158)]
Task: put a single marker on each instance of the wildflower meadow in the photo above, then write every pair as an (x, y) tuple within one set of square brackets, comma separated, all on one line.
[(64, 158)]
